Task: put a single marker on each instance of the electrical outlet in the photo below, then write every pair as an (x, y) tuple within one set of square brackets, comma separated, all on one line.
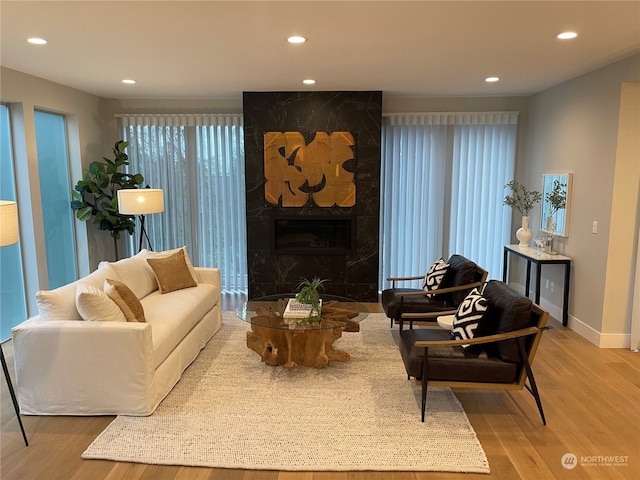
[(546, 285), (594, 227), (551, 286)]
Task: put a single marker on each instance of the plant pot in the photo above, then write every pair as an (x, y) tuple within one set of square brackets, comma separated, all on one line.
[(524, 233)]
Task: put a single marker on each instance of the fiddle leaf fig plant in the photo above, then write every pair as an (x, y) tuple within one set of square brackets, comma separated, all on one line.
[(95, 196)]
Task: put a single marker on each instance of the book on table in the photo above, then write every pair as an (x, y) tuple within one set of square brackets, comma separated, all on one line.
[(296, 310)]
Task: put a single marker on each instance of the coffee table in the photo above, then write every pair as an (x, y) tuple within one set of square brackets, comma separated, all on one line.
[(291, 343)]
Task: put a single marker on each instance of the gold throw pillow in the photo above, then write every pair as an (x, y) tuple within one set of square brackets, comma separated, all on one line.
[(125, 299), (172, 272)]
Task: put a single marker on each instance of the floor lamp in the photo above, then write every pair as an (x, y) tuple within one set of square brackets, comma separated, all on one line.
[(141, 201), (9, 236)]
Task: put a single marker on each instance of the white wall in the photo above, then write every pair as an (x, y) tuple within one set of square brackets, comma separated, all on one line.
[(573, 127)]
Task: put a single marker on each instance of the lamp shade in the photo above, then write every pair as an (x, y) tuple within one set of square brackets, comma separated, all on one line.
[(140, 201), (8, 223)]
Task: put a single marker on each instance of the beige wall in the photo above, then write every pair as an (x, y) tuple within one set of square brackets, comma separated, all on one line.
[(623, 237), (573, 127)]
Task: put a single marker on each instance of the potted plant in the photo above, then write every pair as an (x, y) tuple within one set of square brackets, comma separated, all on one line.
[(95, 196), (523, 200), (308, 293)]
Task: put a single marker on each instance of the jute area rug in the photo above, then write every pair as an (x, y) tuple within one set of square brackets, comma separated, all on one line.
[(230, 410)]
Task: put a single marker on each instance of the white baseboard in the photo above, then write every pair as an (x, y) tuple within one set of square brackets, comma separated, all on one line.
[(602, 340)]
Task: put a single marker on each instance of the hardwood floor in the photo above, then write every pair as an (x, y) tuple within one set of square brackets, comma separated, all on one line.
[(591, 398)]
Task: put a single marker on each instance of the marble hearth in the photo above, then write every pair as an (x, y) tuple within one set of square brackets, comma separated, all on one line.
[(340, 243)]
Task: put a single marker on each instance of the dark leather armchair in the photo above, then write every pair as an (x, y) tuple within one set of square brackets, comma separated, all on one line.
[(512, 332), (413, 304)]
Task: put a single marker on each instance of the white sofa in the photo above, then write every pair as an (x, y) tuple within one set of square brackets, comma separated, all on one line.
[(69, 366)]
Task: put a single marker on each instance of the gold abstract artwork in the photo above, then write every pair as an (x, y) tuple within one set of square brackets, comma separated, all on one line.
[(297, 172)]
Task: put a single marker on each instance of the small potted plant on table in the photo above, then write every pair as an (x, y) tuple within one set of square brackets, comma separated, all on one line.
[(308, 294)]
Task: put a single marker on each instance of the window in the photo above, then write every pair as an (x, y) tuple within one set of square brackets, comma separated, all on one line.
[(199, 162), (12, 294), (55, 193), (443, 177)]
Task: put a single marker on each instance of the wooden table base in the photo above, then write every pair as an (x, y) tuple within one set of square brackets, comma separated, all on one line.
[(292, 347)]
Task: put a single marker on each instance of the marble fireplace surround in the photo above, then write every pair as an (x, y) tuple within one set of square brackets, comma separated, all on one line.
[(352, 271)]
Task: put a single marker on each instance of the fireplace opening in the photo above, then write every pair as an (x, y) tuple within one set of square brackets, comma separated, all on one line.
[(313, 235)]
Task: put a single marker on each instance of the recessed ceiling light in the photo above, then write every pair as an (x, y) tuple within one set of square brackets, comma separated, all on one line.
[(37, 41), (566, 35), (296, 39), (128, 81), (309, 81), (492, 79)]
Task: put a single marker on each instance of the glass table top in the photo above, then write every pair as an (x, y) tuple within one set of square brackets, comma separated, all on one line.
[(336, 312)]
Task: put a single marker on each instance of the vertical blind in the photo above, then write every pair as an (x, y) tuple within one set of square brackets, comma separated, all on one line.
[(199, 162), (442, 185), (443, 177)]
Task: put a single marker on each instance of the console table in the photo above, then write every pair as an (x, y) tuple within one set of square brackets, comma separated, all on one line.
[(533, 255)]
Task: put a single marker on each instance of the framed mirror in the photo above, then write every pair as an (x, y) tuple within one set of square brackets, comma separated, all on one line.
[(556, 196)]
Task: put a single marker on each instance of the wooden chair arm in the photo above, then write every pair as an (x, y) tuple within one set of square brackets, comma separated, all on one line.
[(393, 280), (396, 279), (440, 291), (480, 340)]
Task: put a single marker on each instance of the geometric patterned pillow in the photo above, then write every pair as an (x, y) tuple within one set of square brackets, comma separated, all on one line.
[(469, 316), (434, 276)]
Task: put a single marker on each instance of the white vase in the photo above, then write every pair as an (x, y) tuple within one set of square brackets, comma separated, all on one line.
[(550, 223), (524, 233)]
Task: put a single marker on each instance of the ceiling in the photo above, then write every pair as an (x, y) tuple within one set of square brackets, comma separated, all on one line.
[(215, 49)]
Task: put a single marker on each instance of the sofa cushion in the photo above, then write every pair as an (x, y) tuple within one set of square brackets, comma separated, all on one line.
[(125, 299), (508, 311), (60, 303), (174, 314), (452, 363), (468, 317), (461, 272), (94, 305), (135, 273), (171, 272), (412, 304)]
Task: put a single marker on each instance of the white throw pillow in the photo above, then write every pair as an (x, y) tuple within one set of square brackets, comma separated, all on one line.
[(94, 305), (135, 273), (60, 303)]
